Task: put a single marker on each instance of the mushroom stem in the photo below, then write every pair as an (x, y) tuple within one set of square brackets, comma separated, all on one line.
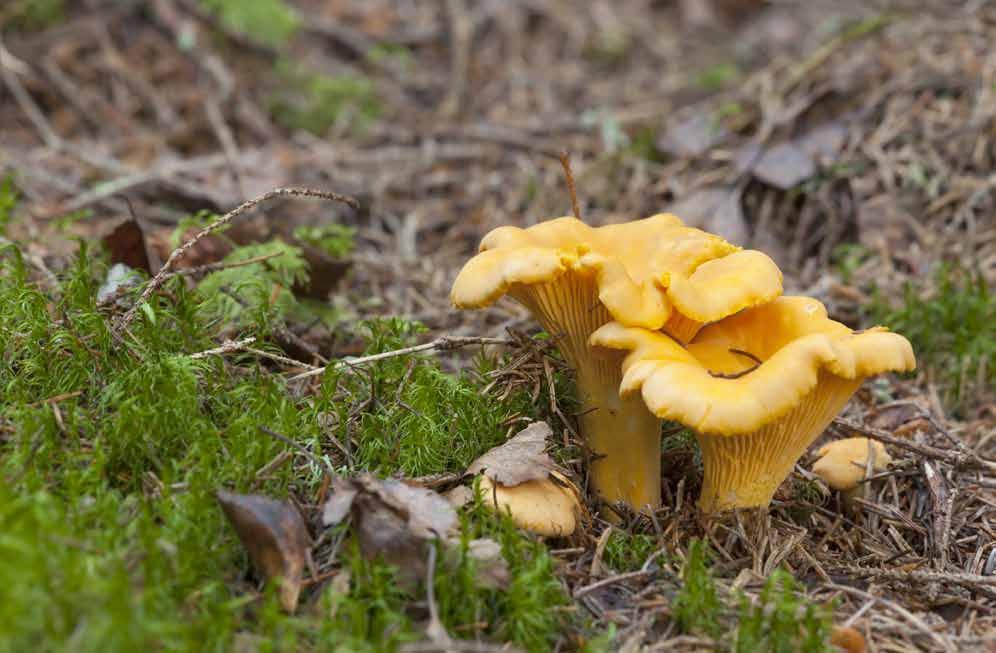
[(625, 442), (624, 437), (744, 471)]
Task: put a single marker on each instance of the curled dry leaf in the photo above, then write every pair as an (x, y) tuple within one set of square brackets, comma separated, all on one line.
[(127, 244), (275, 537), (523, 458), (393, 521), (783, 166)]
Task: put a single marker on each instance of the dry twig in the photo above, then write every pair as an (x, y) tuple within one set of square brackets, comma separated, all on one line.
[(215, 226)]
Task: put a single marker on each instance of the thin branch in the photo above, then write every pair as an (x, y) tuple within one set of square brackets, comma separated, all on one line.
[(214, 267), (300, 448), (444, 343), (578, 593), (565, 161), (226, 347), (969, 459), (215, 226)]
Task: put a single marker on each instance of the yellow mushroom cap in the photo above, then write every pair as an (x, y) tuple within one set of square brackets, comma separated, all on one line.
[(643, 269), (842, 463), (543, 506), (751, 368)]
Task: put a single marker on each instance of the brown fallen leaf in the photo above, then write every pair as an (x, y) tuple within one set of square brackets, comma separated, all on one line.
[(523, 458), (324, 272), (783, 166), (393, 520), (128, 244), (274, 535), (693, 136), (824, 142), (397, 522)]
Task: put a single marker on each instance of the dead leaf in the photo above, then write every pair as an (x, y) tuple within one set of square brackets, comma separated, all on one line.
[(715, 209), (523, 458), (691, 137), (127, 244), (393, 521), (824, 143), (210, 249), (324, 272), (274, 535), (783, 166)]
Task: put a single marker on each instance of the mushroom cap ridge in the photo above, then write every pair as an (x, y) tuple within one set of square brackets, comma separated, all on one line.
[(791, 336), (644, 269)]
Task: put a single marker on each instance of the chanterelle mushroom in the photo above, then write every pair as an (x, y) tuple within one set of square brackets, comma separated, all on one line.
[(843, 463), (548, 506), (758, 387), (654, 273)]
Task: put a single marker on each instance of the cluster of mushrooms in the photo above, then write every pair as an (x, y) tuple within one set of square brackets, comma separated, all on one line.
[(661, 321)]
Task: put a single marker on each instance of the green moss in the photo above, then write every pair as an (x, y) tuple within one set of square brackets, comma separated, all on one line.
[(949, 323), (336, 240), (34, 15), (110, 537), (847, 258), (8, 200), (315, 102), (781, 622), (697, 608), (717, 77), (422, 420), (270, 22), (257, 294), (628, 551)]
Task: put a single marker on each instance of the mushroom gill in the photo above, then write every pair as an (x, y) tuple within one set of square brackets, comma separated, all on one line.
[(653, 273), (757, 387)]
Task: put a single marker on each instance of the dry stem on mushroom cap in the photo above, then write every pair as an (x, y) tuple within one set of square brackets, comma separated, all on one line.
[(654, 273), (758, 387)]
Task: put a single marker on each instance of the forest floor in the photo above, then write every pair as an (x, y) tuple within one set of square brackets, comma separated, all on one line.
[(853, 142)]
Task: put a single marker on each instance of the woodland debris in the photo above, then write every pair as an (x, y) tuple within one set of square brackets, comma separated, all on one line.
[(275, 537)]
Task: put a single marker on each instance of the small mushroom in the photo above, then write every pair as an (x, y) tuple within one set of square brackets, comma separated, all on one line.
[(654, 273), (757, 387), (843, 463), (547, 507)]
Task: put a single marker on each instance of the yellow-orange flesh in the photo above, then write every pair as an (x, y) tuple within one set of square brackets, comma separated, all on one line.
[(624, 437), (744, 471)]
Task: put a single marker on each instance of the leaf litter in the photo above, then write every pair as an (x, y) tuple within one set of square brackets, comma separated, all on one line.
[(276, 538)]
